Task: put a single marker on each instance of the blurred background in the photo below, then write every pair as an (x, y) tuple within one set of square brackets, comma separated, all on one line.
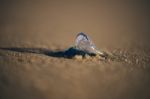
[(109, 23)]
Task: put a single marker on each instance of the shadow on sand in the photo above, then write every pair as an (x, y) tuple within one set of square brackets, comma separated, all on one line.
[(69, 53)]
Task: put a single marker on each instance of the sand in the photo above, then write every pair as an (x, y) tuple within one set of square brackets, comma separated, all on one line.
[(33, 36)]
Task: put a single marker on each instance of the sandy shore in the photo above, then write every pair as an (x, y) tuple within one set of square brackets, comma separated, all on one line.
[(33, 33)]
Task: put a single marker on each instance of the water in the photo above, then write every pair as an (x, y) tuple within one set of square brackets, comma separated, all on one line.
[(84, 43)]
